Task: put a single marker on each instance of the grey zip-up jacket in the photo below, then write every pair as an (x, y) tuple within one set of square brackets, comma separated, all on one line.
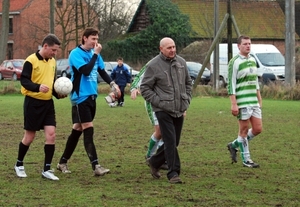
[(167, 85)]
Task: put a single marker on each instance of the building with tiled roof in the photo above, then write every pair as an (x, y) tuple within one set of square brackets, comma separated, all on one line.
[(297, 13), (30, 23), (16, 6), (263, 20), (258, 19), (26, 16)]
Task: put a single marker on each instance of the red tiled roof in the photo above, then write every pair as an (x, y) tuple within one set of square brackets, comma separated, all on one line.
[(16, 5)]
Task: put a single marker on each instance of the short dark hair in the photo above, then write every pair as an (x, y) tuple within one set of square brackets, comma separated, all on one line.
[(242, 37), (119, 58), (51, 40), (87, 32)]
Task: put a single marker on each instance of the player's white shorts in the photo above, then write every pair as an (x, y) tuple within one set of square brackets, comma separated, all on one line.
[(151, 114), (246, 112)]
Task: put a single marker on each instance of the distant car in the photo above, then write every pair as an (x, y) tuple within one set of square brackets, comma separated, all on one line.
[(194, 69), (11, 69), (63, 68), (109, 66)]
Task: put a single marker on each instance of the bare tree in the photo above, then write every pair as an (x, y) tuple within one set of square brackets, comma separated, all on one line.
[(111, 17), (33, 32), (71, 18), (4, 29), (114, 17)]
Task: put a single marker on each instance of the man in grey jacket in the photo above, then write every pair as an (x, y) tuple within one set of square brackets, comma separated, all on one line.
[(168, 87)]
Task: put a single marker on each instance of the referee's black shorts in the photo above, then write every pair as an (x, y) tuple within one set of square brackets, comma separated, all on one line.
[(85, 111), (38, 113)]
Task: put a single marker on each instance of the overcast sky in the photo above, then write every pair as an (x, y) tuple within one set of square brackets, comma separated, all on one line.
[(133, 3)]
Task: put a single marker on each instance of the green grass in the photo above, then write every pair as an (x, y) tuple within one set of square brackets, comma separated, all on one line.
[(121, 138)]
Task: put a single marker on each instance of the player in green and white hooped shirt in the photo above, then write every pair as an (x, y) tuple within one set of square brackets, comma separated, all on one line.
[(246, 102), (155, 140)]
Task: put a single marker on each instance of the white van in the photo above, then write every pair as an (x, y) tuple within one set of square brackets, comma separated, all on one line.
[(268, 57)]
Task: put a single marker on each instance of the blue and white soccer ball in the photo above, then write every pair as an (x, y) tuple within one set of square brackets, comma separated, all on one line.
[(63, 86)]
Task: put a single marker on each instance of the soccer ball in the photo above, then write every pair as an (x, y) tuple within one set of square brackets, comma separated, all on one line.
[(63, 86)]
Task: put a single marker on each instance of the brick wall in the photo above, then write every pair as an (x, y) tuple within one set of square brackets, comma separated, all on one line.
[(32, 25)]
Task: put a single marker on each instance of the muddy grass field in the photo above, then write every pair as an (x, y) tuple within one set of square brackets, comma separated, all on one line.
[(121, 138)]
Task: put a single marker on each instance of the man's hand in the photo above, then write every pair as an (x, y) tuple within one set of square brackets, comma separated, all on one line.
[(114, 94), (234, 109), (115, 89), (234, 106), (97, 48), (44, 88), (134, 93)]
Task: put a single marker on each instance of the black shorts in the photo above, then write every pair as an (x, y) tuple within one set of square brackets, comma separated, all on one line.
[(85, 111), (38, 113)]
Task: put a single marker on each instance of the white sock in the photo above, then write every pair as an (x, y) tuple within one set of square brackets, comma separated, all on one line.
[(155, 146), (160, 143), (244, 148), (250, 135)]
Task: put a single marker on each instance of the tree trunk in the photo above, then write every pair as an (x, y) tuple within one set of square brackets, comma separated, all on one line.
[(4, 29)]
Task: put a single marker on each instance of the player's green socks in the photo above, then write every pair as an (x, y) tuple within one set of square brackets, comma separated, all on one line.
[(153, 142), (235, 143), (244, 148)]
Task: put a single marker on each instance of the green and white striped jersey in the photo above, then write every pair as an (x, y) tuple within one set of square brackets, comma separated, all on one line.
[(136, 85), (138, 79), (243, 80)]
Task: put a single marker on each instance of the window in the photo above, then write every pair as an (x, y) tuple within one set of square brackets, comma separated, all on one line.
[(10, 25), (10, 54), (59, 3), (9, 65)]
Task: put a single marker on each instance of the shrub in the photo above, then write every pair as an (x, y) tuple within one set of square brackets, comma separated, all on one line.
[(10, 87), (279, 91), (143, 45), (274, 90)]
